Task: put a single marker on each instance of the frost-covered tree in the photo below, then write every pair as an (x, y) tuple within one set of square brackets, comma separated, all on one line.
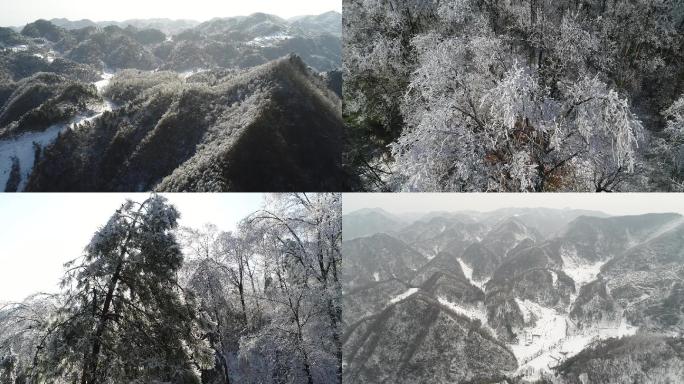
[(260, 304), (529, 95), (221, 272), (301, 247), (124, 317), (23, 328), (205, 276), (269, 292), (668, 149), (513, 135)]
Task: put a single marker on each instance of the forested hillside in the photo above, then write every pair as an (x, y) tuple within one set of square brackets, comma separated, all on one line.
[(473, 297), (90, 106), (529, 95), (149, 302)]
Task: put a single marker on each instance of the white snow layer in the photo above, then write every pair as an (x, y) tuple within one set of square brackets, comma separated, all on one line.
[(404, 295), (106, 78), (22, 146), (191, 72), (49, 57), (19, 48), (468, 272), (553, 339), (470, 312), (268, 41), (581, 271)]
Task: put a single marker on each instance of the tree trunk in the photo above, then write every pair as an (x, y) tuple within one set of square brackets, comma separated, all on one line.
[(336, 337), (307, 366), (90, 367), (224, 364), (241, 288)]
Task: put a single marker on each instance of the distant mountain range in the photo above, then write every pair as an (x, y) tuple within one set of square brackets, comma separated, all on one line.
[(167, 26), (130, 107), (494, 297), (329, 22)]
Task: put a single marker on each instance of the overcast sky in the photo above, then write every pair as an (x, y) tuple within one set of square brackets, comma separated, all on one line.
[(40, 232), (20, 12), (611, 203)]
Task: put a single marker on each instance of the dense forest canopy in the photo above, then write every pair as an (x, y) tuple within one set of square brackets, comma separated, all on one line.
[(149, 302), (517, 95)]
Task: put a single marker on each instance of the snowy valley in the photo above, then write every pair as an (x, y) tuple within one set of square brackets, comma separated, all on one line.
[(536, 307)]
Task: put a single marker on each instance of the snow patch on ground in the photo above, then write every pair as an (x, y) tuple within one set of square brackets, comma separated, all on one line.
[(96, 112), (580, 271), (186, 74), (479, 312), (468, 272), (376, 276), (468, 311), (554, 278), (548, 329), (519, 237), (268, 41), (556, 340), (404, 295), (22, 147), (106, 78), (49, 57), (19, 48)]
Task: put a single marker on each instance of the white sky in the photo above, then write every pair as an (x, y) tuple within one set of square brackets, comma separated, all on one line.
[(611, 203), (20, 12), (40, 232)]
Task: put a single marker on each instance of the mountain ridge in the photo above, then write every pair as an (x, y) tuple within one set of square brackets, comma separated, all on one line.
[(542, 302)]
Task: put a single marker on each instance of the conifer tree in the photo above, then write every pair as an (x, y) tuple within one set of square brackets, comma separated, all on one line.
[(125, 317)]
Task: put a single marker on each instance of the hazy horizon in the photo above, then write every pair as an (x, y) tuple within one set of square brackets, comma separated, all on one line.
[(17, 14), (612, 204)]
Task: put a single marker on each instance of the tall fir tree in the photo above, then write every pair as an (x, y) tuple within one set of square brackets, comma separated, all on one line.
[(125, 317)]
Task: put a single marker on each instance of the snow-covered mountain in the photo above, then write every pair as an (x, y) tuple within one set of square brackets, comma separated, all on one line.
[(536, 304), (367, 222), (91, 102)]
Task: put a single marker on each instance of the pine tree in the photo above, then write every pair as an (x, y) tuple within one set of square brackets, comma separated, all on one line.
[(125, 317)]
